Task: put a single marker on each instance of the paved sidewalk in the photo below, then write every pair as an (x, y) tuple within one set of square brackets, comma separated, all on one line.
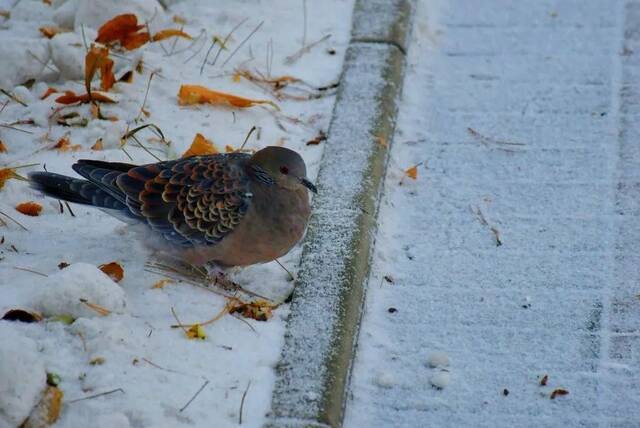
[(526, 115)]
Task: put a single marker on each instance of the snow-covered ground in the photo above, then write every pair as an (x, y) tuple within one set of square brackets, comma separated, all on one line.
[(514, 255), (153, 369)]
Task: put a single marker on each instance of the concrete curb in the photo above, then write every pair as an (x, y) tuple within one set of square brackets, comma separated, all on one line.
[(313, 373)]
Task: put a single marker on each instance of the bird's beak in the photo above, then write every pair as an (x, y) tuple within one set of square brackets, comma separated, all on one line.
[(309, 185)]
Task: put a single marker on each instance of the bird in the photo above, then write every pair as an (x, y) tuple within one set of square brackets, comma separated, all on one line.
[(226, 210)]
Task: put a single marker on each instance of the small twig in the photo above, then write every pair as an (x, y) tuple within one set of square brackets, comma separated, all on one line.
[(2, 125), (13, 97), (253, 128), (146, 94), (223, 45), (195, 395), (296, 56), (95, 396), (496, 233), (4, 106), (173, 312), (197, 51), (14, 220), (242, 43), (291, 277), (31, 270), (244, 395)]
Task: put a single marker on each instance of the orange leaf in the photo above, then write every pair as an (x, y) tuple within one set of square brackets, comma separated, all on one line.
[(8, 173), (49, 92), (412, 172), (179, 20), (29, 208), (172, 32), (70, 97), (135, 40), (229, 149), (118, 28), (195, 94), (97, 58), (3, 148), (98, 145), (64, 145), (259, 310), (162, 283), (126, 77), (114, 270), (49, 32), (200, 146)]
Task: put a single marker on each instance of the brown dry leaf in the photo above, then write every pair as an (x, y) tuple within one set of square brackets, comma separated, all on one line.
[(229, 149), (196, 331), (113, 270), (558, 392), (49, 91), (47, 411), (179, 20), (162, 283), (124, 29), (70, 97), (3, 148), (98, 145), (97, 58), (64, 145), (259, 310), (49, 31), (30, 208), (200, 146), (97, 361), (317, 139), (22, 316), (412, 172), (8, 173), (171, 32), (544, 380), (195, 94), (126, 77)]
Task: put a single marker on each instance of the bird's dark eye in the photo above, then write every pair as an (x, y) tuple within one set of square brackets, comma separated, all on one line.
[(284, 170)]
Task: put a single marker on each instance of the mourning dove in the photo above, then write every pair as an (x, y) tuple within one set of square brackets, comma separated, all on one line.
[(231, 209)]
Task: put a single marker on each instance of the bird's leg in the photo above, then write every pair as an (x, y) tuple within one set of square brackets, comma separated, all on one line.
[(217, 276)]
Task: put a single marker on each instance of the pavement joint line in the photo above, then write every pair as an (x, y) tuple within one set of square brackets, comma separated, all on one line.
[(321, 334)]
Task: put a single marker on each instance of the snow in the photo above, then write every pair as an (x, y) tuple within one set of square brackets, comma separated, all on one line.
[(63, 290), (22, 374), (154, 368), (524, 115), (438, 359)]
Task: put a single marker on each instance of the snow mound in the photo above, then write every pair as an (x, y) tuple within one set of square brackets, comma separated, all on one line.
[(23, 66), (438, 359), (64, 289), (67, 53), (22, 376)]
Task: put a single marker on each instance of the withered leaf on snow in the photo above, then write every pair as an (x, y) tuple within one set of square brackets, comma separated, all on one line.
[(558, 392), (48, 92), (195, 94), (113, 270), (162, 283), (200, 146), (3, 148), (124, 29), (29, 208), (412, 172), (172, 32), (97, 58), (22, 315), (64, 145), (8, 173), (70, 97), (49, 32), (196, 331), (259, 310)]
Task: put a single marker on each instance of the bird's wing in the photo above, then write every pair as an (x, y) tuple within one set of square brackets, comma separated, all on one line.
[(192, 201)]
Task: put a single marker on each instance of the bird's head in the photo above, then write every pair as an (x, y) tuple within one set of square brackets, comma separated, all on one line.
[(281, 166)]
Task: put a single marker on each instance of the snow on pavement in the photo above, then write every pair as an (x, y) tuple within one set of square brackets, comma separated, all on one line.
[(514, 255), (153, 369)]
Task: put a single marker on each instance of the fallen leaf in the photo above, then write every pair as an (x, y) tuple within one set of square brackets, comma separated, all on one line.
[(558, 392), (200, 146), (49, 91), (126, 77), (97, 361), (49, 31), (63, 265), (22, 316), (229, 149), (48, 409), (196, 331), (259, 310), (544, 380), (317, 139), (412, 172), (9, 173), (162, 283), (70, 97), (97, 58), (179, 20), (113, 270), (165, 34), (98, 145), (64, 145), (195, 94), (124, 29), (3, 148), (29, 208)]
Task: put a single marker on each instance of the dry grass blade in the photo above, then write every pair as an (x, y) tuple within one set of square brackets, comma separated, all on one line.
[(146, 94), (95, 396), (253, 128), (242, 43), (13, 128), (97, 308), (305, 49), (195, 395), (31, 271), (244, 395), (13, 97), (13, 220), (226, 39)]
